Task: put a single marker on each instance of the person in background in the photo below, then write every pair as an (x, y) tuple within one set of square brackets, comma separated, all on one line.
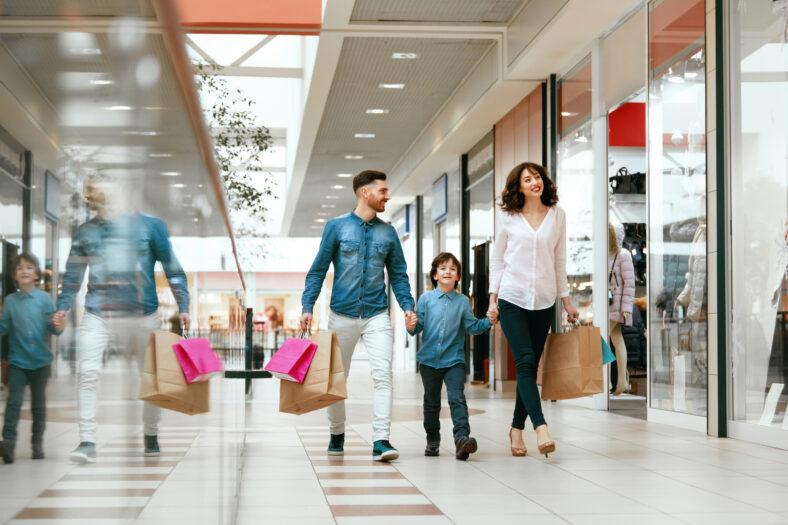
[(361, 247), (445, 316), (28, 318), (121, 247), (527, 275)]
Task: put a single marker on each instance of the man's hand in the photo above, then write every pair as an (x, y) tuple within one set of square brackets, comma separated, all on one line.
[(186, 321), (306, 321), (59, 320), (411, 320)]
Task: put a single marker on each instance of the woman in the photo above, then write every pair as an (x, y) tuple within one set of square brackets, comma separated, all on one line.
[(621, 282), (527, 274)]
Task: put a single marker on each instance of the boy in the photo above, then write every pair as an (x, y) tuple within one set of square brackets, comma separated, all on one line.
[(27, 317), (445, 315)]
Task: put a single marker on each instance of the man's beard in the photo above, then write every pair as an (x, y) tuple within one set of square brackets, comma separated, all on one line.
[(379, 206)]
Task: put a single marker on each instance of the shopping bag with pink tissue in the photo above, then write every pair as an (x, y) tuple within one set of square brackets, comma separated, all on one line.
[(291, 362), (197, 359)]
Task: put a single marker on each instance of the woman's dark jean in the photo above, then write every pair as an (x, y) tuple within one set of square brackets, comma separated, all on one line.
[(526, 331)]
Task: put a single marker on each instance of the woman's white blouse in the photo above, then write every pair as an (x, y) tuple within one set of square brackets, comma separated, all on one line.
[(528, 267)]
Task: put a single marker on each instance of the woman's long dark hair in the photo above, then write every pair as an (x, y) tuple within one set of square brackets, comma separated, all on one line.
[(513, 200)]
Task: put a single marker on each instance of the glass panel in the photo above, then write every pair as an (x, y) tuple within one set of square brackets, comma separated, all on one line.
[(759, 214), (574, 176), (677, 210)]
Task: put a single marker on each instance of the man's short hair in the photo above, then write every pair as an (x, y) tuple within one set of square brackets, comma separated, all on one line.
[(367, 177)]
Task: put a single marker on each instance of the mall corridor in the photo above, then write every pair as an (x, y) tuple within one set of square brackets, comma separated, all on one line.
[(608, 469), (570, 215)]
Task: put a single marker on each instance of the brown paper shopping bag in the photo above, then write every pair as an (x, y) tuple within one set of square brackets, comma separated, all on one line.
[(324, 383), (163, 383), (572, 364)]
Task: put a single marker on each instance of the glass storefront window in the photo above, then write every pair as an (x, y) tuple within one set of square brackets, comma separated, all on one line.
[(677, 211), (575, 175), (759, 214)]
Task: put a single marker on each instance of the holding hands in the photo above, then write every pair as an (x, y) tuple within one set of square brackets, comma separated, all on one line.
[(411, 319), (59, 320), (492, 313)]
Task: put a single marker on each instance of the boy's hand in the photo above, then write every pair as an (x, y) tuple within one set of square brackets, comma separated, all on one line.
[(411, 321), (59, 320)]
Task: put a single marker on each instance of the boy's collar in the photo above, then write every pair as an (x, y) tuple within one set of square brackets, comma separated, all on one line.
[(450, 294)]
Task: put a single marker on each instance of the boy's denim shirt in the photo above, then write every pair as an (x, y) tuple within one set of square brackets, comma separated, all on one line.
[(445, 318), (122, 254), (360, 250)]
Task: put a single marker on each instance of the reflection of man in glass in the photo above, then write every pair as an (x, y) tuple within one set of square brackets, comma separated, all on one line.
[(121, 248)]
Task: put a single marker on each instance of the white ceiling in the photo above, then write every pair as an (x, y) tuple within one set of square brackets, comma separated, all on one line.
[(432, 11)]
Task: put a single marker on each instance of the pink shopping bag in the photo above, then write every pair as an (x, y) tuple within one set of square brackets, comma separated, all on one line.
[(292, 360), (197, 359)]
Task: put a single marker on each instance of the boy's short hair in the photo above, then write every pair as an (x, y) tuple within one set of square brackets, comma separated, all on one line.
[(29, 258), (440, 259), (367, 177)]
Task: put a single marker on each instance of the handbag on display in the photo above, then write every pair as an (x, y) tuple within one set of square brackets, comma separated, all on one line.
[(625, 182)]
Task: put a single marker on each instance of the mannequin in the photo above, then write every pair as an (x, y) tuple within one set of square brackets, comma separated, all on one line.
[(621, 283)]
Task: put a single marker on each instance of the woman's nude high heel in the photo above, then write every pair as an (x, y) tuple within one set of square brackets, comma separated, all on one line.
[(546, 448), (516, 451)]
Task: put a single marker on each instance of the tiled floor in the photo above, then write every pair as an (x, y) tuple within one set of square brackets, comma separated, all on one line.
[(248, 464)]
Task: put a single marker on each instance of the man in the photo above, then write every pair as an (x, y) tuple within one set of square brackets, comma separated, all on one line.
[(121, 249), (360, 246)]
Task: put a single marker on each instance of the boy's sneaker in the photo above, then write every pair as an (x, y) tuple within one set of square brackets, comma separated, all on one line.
[(336, 447), (84, 453), (433, 448), (383, 451), (7, 451), (152, 446), (466, 446), (38, 450)]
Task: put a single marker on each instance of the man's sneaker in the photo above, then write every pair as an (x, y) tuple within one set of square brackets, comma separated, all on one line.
[(383, 451), (38, 450), (152, 446), (84, 453), (465, 447), (7, 451), (336, 447), (433, 448)]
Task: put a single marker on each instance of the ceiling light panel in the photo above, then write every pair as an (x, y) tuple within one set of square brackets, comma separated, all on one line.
[(391, 86), (377, 111), (405, 56)]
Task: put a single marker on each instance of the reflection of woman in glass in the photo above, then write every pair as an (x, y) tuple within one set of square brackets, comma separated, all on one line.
[(621, 282), (527, 274)]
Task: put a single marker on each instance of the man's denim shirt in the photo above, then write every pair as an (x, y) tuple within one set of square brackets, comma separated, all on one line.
[(360, 251), (122, 254)]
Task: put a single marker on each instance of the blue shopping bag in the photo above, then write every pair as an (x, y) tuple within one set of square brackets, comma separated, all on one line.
[(607, 353)]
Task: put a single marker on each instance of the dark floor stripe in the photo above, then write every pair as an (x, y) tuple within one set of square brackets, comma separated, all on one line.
[(137, 453), (140, 445), (342, 463), (53, 513), (385, 510), (114, 477), (323, 454), (96, 493), (360, 475), (360, 491), (147, 463)]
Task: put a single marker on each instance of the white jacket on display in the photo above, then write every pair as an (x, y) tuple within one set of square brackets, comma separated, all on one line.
[(622, 280), (693, 296)]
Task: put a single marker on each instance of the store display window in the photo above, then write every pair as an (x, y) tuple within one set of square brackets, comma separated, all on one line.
[(758, 334), (678, 328)]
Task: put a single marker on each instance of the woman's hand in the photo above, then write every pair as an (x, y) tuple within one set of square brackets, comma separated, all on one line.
[(492, 311), (572, 314)]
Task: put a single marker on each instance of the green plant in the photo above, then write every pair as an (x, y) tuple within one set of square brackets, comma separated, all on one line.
[(239, 146)]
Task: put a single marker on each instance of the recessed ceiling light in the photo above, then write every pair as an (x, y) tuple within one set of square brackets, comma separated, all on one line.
[(170, 173), (364, 135), (391, 86), (377, 111), (337, 187), (328, 205), (160, 155), (179, 185), (196, 219), (344, 175), (142, 133), (322, 214), (568, 114), (102, 82), (320, 220), (332, 197), (354, 157), (199, 185), (90, 51), (405, 56), (119, 108)]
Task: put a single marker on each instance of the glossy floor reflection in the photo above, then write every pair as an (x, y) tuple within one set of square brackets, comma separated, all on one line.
[(250, 464)]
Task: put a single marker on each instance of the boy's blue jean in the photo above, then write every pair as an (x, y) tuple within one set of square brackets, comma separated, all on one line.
[(433, 379), (18, 378)]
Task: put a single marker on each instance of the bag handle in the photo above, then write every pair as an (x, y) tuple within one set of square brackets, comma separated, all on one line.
[(304, 334)]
